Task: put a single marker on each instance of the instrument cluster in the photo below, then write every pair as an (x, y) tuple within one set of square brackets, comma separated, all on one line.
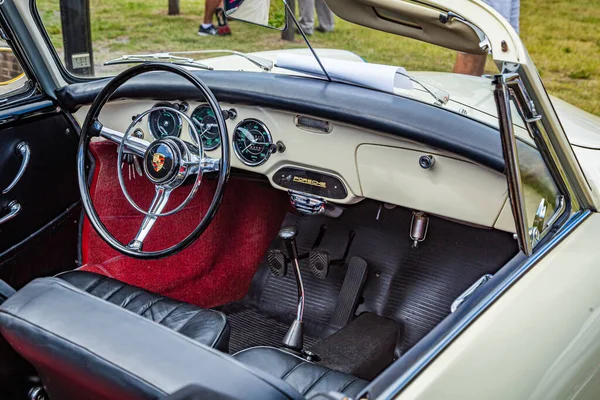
[(252, 142)]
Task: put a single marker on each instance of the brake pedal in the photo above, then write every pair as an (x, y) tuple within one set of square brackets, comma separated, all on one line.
[(319, 261), (277, 262)]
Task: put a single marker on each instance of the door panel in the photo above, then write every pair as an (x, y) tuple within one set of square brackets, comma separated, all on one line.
[(36, 241)]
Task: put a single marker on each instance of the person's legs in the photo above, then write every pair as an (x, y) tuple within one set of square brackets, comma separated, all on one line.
[(509, 9), (472, 64), (469, 64), (209, 10), (515, 13), (325, 15), (207, 28), (307, 15)]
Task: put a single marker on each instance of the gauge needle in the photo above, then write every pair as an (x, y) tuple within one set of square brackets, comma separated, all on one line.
[(199, 125), (247, 133), (163, 131)]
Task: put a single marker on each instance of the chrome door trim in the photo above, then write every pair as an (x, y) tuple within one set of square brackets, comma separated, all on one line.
[(405, 378)]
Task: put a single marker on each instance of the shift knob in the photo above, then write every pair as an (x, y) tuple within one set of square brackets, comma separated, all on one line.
[(288, 233), (288, 236)]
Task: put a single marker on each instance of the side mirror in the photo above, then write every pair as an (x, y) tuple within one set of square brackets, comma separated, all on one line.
[(269, 13)]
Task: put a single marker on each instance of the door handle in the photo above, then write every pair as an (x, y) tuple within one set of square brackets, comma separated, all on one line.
[(24, 151), (14, 208)]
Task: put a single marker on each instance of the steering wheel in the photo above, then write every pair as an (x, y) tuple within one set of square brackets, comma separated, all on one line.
[(167, 163)]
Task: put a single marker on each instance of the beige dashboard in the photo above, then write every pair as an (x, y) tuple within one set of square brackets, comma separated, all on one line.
[(369, 164)]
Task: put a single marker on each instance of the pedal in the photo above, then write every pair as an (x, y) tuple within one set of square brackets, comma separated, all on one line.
[(319, 261), (349, 296), (277, 262)]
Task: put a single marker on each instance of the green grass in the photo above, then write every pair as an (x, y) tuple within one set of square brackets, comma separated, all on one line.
[(562, 36)]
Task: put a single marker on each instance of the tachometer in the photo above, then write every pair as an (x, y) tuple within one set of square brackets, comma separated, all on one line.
[(163, 123), (204, 119), (252, 142)]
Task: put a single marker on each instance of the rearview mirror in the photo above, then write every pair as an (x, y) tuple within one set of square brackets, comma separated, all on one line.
[(269, 13)]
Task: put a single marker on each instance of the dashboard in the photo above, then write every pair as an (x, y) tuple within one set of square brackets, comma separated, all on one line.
[(338, 162)]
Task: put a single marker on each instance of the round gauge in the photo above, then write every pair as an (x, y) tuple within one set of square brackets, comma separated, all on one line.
[(204, 119), (252, 142), (164, 122)]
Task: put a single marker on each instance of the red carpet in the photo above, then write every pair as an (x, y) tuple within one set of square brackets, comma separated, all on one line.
[(216, 269)]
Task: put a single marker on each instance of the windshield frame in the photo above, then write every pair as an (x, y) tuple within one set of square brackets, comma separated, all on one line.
[(67, 76)]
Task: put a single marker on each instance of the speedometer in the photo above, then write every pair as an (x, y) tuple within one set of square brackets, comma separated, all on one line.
[(204, 119), (252, 142), (164, 122)]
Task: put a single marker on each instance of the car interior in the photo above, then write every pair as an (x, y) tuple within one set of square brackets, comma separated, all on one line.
[(318, 236)]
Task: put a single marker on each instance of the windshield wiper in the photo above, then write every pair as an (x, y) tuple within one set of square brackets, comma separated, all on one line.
[(165, 57), (175, 58), (262, 63), (441, 96)]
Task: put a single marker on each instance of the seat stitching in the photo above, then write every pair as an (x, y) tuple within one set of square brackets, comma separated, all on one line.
[(292, 370), (317, 381), (135, 296), (113, 293), (348, 385), (169, 313), (188, 321), (95, 284), (151, 304)]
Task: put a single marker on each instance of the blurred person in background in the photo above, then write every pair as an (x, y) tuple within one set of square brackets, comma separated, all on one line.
[(214, 8), (474, 64), (307, 16)]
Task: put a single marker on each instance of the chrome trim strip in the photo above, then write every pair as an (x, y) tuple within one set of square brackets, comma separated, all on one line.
[(513, 168), (405, 379)]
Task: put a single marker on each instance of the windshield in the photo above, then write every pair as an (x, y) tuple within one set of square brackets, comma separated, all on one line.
[(107, 36)]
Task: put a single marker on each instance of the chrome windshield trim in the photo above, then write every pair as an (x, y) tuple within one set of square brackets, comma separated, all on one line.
[(404, 380), (516, 195)]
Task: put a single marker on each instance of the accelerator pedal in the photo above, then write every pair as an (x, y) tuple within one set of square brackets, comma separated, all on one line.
[(354, 281), (319, 261), (277, 262)]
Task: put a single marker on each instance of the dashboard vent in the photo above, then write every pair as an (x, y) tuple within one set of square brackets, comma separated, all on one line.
[(313, 124)]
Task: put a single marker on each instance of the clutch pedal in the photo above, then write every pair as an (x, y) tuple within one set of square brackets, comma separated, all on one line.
[(277, 262)]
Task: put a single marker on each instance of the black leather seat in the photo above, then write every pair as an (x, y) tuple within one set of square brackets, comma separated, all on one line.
[(306, 377), (208, 327), (86, 347)]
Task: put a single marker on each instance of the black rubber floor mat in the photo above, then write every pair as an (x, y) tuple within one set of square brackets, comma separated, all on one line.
[(363, 348), (251, 328), (412, 286)]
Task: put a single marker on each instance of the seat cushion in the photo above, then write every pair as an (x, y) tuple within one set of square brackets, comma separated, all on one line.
[(85, 347), (306, 377), (208, 327)]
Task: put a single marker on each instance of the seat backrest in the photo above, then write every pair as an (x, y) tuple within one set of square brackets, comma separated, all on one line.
[(84, 347)]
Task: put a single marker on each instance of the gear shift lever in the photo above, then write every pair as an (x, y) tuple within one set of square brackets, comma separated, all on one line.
[(294, 338)]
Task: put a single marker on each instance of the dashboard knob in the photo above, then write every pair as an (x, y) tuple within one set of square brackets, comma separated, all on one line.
[(426, 162)]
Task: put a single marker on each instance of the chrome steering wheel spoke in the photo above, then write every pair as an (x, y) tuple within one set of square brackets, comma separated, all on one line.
[(133, 144), (159, 202)]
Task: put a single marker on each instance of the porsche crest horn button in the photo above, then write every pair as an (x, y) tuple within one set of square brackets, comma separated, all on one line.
[(158, 161), (161, 161)]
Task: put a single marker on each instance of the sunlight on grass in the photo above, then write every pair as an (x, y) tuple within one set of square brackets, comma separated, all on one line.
[(563, 38)]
